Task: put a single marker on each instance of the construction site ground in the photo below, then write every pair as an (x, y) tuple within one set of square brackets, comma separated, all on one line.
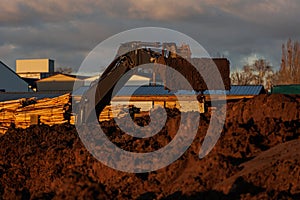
[(256, 157)]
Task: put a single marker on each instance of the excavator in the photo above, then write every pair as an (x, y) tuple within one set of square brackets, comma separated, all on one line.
[(99, 95)]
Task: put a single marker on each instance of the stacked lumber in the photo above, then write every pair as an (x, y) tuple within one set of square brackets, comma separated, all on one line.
[(12, 104), (24, 112), (112, 111), (7, 113), (50, 111), (3, 130), (106, 114), (73, 119)]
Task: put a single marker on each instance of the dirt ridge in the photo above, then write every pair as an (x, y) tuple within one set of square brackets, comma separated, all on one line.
[(52, 163)]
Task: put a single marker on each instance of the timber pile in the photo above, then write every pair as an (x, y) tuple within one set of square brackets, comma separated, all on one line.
[(110, 112), (106, 114), (50, 111), (7, 113), (118, 111), (72, 119), (24, 112)]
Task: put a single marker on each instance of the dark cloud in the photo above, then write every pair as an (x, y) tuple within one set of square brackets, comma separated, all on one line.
[(67, 30)]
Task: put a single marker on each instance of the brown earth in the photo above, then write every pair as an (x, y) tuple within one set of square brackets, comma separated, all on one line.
[(256, 157)]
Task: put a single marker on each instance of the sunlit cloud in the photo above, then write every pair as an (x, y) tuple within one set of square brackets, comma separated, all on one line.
[(62, 29)]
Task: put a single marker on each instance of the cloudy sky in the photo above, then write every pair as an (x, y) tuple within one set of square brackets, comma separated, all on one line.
[(68, 30)]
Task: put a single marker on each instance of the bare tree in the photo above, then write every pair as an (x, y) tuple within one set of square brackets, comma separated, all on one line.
[(243, 77), (289, 72), (263, 73), (64, 70), (258, 73)]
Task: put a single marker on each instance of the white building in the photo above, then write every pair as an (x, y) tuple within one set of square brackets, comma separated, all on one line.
[(10, 81), (35, 68), (135, 80), (138, 80)]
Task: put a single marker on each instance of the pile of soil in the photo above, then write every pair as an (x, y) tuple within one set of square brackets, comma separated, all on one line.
[(256, 157)]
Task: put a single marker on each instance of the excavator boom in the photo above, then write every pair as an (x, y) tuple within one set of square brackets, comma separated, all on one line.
[(99, 94)]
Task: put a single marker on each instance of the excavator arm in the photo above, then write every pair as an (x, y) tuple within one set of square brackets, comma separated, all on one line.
[(101, 92)]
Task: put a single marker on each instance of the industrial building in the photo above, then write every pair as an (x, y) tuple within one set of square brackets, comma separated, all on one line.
[(10, 81), (286, 89), (134, 80), (35, 68), (63, 83), (147, 96)]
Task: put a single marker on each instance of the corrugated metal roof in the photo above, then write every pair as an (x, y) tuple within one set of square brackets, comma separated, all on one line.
[(160, 90), (14, 96), (129, 90), (246, 90), (185, 92), (239, 90), (143, 90), (208, 92), (286, 89)]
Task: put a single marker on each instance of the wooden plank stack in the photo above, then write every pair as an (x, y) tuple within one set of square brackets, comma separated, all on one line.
[(73, 119), (48, 111), (7, 113), (110, 112), (106, 114)]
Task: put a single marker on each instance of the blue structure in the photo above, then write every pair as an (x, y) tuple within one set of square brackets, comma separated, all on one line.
[(7, 96), (236, 90), (246, 90)]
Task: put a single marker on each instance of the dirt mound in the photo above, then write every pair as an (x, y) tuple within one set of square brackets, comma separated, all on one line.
[(265, 106), (255, 158), (277, 169), (255, 125)]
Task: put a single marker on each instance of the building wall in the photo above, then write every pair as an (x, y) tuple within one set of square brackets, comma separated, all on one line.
[(137, 80), (51, 86), (30, 75), (10, 81), (133, 81), (32, 68), (185, 106), (143, 105), (286, 89), (58, 82)]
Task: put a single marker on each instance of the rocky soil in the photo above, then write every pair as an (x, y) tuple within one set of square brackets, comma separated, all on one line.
[(256, 157)]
